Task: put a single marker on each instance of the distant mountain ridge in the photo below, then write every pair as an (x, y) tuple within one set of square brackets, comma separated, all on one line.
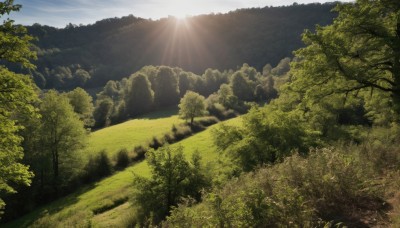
[(89, 56)]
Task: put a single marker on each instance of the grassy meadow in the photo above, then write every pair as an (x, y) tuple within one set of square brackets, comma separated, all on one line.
[(132, 133), (107, 202)]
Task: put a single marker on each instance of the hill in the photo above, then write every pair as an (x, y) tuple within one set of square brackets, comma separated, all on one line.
[(89, 56), (132, 133), (106, 203)]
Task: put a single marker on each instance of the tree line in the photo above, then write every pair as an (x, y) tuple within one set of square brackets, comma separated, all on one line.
[(157, 87), (89, 56)]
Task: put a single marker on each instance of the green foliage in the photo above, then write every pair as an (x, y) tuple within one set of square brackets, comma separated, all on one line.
[(113, 48), (242, 87), (172, 177), (83, 105), (340, 185), (359, 51), (226, 97), (166, 87), (98, 166), (140, 96), (103, 112), (17, 95), (267, 136), (122, 159), (62, 137), (76, 209), (192, 105), (15, 43)]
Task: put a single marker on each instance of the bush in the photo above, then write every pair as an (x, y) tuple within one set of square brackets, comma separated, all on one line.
[(328, 187), (156, 143), (99, 166), (122, 159), (181, 132), (140, 152), (207, 121), (169, 138)]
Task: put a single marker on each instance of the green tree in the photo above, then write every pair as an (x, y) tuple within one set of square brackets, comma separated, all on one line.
[(110, 90), (359, 51), (82, 103), (62, 137), (184, 83), (226, 97), (103, 111), (242, 87), (80, 77), (192, 105), (139, 97), (172, 177), (267, 136), (166, 91), (17, 94), (282, 68)]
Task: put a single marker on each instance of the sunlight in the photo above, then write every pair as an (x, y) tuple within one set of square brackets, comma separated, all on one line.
[(179, 9)]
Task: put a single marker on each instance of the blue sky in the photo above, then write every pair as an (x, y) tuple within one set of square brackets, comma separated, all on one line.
[(59, 13)]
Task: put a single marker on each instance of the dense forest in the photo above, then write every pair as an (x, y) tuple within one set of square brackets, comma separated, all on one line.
[(89, 56), (313, 138)]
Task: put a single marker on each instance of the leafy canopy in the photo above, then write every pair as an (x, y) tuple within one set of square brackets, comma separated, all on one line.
[(192, 105), (17, 94), (172, 177), (359, 51)]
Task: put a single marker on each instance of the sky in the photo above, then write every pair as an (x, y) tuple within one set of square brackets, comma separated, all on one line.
[(59, 13)]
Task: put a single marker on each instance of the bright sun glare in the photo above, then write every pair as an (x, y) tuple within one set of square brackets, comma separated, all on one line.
[(180, 9)]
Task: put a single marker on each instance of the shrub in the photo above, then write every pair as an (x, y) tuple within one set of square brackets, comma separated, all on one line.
[(328, 187), (122, 159), (155, 143), (99, 166), (181, 132), (169, 138), (207, 121), (140, 152)]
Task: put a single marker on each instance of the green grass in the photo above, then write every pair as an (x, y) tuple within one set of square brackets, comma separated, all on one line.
[(132, 133), (76, 209)]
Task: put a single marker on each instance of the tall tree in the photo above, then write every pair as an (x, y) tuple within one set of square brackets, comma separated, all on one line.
[(166, 87), (103, 111), (139, 97), (62, 137), (242, 87), (359, 51), (17, 94), (191, 106), (82, 103)]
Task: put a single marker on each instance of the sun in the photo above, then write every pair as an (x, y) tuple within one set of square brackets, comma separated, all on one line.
[(180, 9)]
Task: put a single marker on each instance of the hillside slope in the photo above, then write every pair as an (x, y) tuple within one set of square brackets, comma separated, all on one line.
[(107, 203), (132, 133)]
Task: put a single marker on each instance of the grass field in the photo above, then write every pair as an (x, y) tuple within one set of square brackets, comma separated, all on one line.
[(132, 133), (76, 210)]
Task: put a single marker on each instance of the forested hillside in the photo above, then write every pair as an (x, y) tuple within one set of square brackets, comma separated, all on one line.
[(89, 56), (316, 143)]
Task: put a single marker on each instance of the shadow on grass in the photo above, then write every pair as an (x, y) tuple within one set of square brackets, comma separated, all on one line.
[(49, 209), (167, 112)]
